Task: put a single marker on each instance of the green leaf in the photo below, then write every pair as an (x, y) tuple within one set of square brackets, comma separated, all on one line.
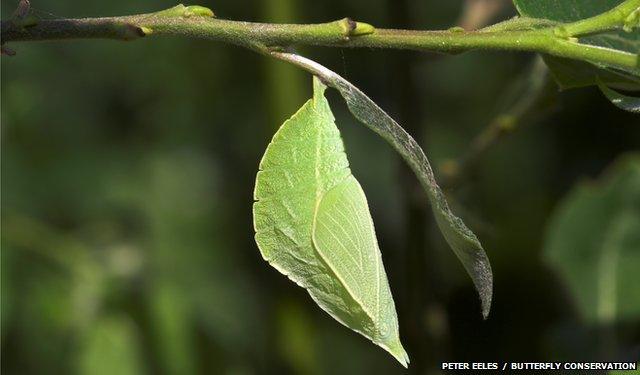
[(313, 224), (572, 74), (569, 73), (594, 244), (462, 240), (628, 103), (563, 10)]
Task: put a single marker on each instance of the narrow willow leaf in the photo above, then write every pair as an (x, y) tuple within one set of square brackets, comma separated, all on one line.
[(572, 74), (628, 103), (463, 241), (313, 224)]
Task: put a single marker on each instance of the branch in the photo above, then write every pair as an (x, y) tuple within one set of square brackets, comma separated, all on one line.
[(198, 22)]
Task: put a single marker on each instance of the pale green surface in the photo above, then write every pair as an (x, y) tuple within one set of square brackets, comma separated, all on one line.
[(570, 73), (594, 245), (626, 102), (312, 220), (343, 234)]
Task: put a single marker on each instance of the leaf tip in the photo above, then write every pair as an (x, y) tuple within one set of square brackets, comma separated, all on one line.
[(486, 308), (398, 352), (469, 250), (485, 290)]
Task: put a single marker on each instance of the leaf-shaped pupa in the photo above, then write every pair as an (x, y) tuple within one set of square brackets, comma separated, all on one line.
[(462, 240), (313, 224)]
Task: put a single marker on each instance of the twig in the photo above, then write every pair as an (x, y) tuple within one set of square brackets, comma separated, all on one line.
[(198, 22)]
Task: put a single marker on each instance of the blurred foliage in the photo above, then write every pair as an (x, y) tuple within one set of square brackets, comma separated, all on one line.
[(594, 243), (127, 177), (111, 347)]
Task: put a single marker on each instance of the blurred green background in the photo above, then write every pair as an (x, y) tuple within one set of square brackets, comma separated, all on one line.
[(127, 178)]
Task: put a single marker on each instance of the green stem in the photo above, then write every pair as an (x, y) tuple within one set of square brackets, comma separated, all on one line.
[(196, 22), (621, 16)]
